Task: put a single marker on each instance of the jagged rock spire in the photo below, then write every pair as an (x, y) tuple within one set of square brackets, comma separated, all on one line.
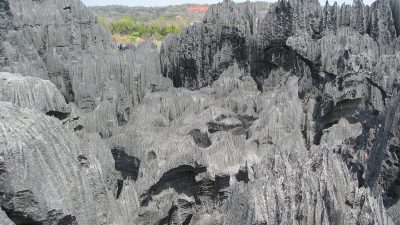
[(381, 25), (395, 6), (357, 20)]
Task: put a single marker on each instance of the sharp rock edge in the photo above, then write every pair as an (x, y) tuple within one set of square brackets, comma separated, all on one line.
[(285, 116)]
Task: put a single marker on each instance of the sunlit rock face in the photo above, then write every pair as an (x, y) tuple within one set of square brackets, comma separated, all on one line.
[(287, 116)]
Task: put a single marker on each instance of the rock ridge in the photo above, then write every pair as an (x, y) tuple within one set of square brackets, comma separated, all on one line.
[(287, 116)]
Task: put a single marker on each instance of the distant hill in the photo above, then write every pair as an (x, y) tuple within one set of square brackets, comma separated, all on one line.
[(147, 14), (191, 12)]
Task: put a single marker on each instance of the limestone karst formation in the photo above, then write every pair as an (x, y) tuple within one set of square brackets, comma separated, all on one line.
[(289, 116)]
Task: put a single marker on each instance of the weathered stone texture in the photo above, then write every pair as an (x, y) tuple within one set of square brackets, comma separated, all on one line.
[(288, 116)]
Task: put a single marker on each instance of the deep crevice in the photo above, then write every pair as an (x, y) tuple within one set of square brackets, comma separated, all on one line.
[(343, 109), (58, 115), (78, 128), (126, 164), (120, 185), (201, 139), (123, 117), (192, 182), (243, 175), (187, 220), (383, 92), (236, 129), (83, 160), (181, 179)]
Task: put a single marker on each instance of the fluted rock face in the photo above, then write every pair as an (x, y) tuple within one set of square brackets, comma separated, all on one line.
[(262, 38), (44, 37), (59, 62), (33, 93), (291, 117), (395, 6), (47, 181), (209, 47), (62, 42), (345, 61), (53, 40)]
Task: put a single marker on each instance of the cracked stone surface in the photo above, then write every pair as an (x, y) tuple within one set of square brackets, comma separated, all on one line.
[(287, 116)]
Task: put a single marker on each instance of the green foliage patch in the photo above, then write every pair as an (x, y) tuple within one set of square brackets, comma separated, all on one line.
[(158, 28)]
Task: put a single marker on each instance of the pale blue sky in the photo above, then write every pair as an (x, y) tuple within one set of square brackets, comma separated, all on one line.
[(177, 2)]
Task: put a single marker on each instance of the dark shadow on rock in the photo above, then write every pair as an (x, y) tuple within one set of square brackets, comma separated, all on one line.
[(202, 139), (58, 115), (126, 164)]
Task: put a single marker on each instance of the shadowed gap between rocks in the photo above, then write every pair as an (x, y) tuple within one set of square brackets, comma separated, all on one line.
[(201, 139), (58, 115), (344, 109), (183, 209), (238, 125), (127, 165), (184, 180), (181, 179)]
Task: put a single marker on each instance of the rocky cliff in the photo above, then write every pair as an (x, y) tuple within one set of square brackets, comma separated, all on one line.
[(288, 116), (346, 62)]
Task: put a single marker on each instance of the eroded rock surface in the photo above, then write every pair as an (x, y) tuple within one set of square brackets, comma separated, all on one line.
[(43, 180), (287, 116), (33, 93)]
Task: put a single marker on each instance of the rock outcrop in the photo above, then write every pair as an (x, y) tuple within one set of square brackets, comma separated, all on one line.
[(43, 178), (288, 116), (34, 93), (209, 47), (345, 60)]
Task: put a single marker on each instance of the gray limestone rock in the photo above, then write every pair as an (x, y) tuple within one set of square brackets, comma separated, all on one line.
[(395, 7), (43, 178), (4, 219), (288, 116), (209, 47), (34, 93)]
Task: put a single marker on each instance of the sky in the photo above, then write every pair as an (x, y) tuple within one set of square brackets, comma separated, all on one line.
[(177, 2)]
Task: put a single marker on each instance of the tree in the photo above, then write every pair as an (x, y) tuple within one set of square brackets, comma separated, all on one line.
[(124, 26)]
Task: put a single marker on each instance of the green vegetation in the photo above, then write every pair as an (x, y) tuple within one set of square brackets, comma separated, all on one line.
[(127, 30), (135, 24)]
